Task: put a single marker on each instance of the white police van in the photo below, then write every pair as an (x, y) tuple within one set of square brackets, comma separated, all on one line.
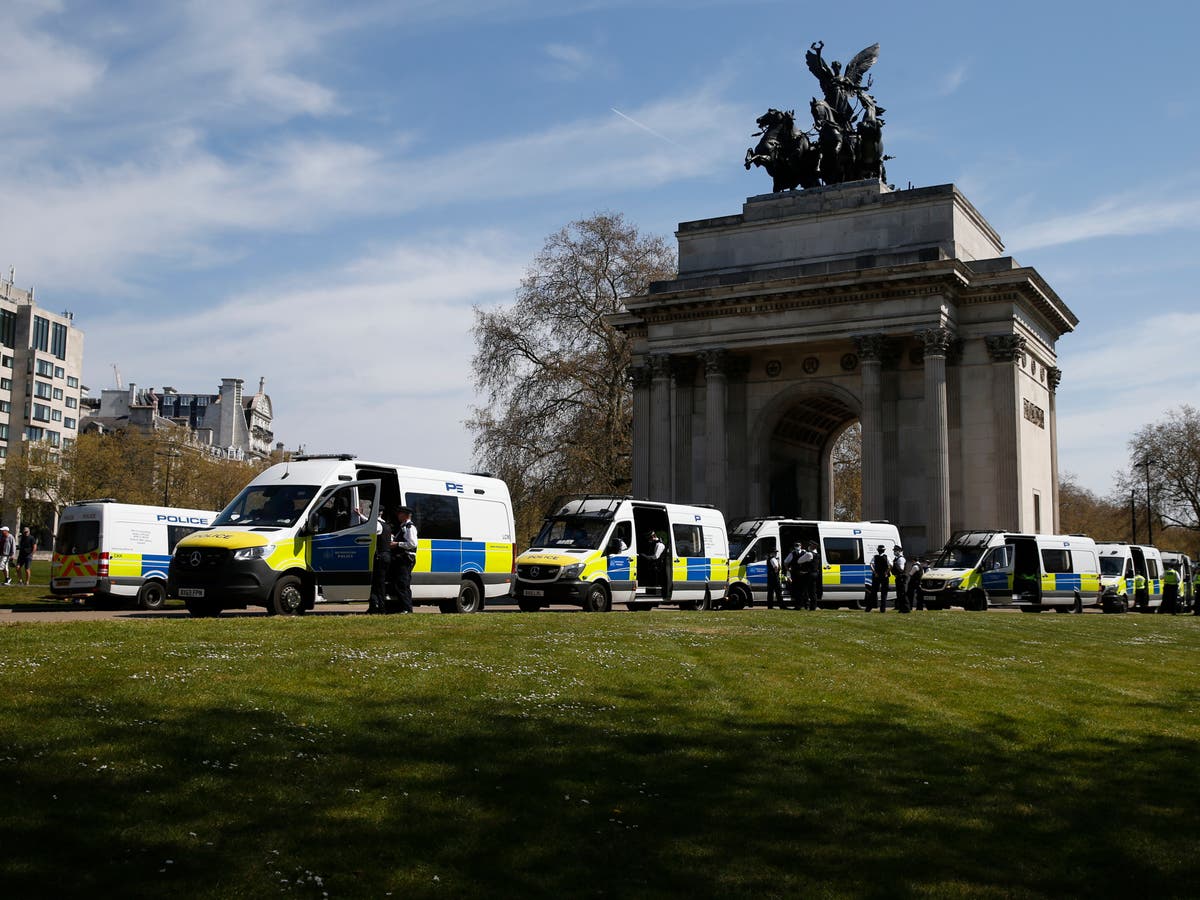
[(846, 551), (113, 551)]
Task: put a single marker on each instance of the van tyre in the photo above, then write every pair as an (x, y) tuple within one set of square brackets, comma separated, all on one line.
[(596, 599), (287, 599), (705, 603), (152, 595), (200, 608), (528, 605), (977, 600), (469, 599), (737, 598)]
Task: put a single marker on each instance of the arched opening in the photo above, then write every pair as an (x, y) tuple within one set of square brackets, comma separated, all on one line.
[(801, 455)]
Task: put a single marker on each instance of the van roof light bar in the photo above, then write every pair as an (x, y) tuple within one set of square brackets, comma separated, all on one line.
[(307, 456)]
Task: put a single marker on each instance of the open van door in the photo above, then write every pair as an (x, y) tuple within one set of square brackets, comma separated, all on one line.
[(343, 532)]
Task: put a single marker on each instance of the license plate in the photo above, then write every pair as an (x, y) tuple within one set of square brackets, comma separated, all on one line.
[(191, 592), (529, 593), (62, 582)]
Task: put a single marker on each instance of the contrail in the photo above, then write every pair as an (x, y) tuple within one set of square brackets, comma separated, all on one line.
[(646, 128)]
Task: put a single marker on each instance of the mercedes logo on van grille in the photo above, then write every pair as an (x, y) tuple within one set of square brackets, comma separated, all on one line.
[(534, 571), (195, 559)]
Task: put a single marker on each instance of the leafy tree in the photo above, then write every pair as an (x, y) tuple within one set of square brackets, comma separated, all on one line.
[(559, 409), (1083, 512), (847, 475), (1167, 454)]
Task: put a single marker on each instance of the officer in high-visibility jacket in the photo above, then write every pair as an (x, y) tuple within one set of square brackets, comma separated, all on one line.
[(1141, 600), (1196, 593), (1170, 595)]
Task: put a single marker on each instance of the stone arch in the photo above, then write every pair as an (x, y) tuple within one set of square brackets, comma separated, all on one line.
[(793, 437)]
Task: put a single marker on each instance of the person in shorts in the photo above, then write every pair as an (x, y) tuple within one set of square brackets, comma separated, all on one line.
[(26, 546), (8, 548)]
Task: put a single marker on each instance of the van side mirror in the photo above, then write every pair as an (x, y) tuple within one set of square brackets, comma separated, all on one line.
[(313, 523)]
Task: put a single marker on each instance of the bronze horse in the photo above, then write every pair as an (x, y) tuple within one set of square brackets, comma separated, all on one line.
[(786, 154)]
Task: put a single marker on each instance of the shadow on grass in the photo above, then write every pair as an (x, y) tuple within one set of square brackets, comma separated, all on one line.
[(592, 798)]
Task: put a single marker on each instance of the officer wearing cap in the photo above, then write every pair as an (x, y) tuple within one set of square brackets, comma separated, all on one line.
[(404, 550), (382, 570), (880, 567), (900, 574)]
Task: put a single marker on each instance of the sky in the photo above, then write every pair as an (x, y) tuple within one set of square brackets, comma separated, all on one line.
[(319, 192)]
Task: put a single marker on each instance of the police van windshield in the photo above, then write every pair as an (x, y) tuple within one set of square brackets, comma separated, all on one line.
[(738, 544), (268, 505), (956, 557), (1112, 565), (573, 532)]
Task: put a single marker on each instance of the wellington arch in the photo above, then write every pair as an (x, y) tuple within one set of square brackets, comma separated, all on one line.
[(812, 310)]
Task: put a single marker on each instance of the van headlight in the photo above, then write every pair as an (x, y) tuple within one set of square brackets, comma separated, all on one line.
[(572, 571), (952, 583), (254, 552)]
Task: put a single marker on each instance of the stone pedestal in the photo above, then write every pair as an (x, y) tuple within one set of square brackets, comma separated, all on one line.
[(814, 309)]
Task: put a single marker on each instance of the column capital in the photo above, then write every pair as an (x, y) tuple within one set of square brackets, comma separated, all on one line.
[(1006, 347), (660, 365), (638, 375), (938, 341), (1053, 376), (716, 361), (871, 347)]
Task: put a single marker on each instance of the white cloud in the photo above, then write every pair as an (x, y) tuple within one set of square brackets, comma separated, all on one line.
[(41, 72), (372, 358), (953, 80), (1123, 215)]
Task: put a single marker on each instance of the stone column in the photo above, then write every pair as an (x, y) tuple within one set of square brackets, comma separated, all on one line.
[(937, 528), (638, 374), (871, 348), (1006, 352), (660, 427), (683, 372), (716, 456), (1054, 376)]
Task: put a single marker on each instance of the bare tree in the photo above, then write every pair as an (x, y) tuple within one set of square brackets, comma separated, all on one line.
[(1166, 457), (847, 474), (558, 417)]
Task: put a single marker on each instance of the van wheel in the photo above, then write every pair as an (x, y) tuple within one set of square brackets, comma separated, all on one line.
[(1030, 609), (596, 599), (528, 605), (288, 597), (152, 595), (704, 604), (469, 599), (977, 600), (737, 598)]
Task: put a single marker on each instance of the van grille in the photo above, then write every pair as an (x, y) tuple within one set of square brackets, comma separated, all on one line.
[(202, 559), (537, 572)]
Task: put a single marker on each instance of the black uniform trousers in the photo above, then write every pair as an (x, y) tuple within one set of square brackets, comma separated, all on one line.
[(902, 593), (774, 589), (402, 568)]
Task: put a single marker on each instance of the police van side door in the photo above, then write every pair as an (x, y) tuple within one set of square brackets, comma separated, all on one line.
[(995, 570), (342, 536)]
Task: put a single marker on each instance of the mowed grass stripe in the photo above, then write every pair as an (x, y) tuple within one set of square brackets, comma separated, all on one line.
[(732, 754)]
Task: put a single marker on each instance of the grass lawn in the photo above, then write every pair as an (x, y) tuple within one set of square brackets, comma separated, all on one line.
[(656, 754), (37, 594)]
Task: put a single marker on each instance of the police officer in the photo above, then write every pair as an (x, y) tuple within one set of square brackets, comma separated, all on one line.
[(1196, 593), (880, 567), (1170, 595), (900, 573), (1141, 600), (799, 569), (774, 585), (815, 586), (377, 602), (404, 550), (916, 599)]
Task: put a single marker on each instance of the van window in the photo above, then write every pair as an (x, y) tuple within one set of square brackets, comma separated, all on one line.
[(714, 542), (77, 537), (996, 560), (689, 540), (1056, 561), (761, 551), (277, 505), (436, 516), (843, 551), (1151, 568), (1085, 561), (1111, 565), (483, 520), (176, 533)]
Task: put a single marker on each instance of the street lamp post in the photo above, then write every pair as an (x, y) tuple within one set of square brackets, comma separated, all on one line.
[(1145, 464)]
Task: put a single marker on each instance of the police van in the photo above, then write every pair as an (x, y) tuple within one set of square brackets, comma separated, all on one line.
[(980, 569), (305, 530), (846, 550), (114, 552), (1120, 564), (1181, 563), (595, 550)]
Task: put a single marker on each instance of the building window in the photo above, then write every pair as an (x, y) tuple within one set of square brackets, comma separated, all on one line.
[(4, 431), (41, 334), (58, 394), (33, 433), (58, 340), (59, 372), (5, 406), (1037, 514), (72, 403), (43, 390), (6, 361), (41, 412), (3, 452), (5, 384), (56, 415), (45, 368), (72, 381), (8, 332), (68, 442), (202, 401), (68, 422)]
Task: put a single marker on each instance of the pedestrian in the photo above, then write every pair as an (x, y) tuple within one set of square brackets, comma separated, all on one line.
[(799, 569), (382, 567), (774, 586), (1141, 600), (916, 598), (8, 547), (880, 567), (900, 574), (1170, 592), (26, 547), (814, 580), (404, 557)]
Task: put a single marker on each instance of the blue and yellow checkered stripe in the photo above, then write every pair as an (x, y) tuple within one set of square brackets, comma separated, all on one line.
[(138, 565), (1069, 583), (445, 556), (848, 575)]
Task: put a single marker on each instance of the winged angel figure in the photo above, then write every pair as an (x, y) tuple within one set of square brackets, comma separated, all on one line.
[(841, 88)]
